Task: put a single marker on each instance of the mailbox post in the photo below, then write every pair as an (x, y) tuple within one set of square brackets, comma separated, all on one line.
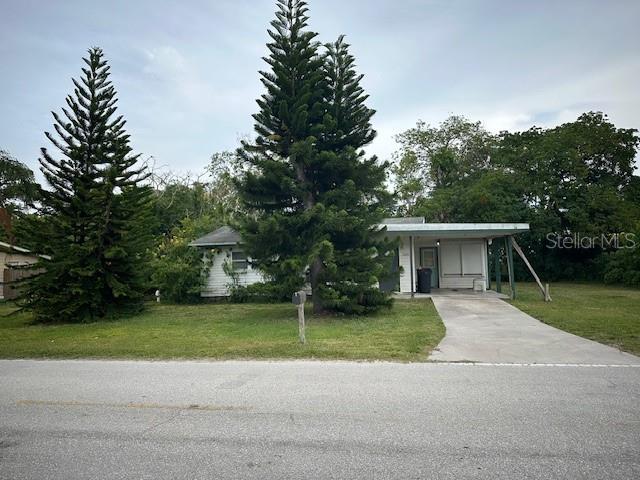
[(298, 299)]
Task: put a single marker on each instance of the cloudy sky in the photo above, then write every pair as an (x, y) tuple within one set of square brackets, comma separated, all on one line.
[(186, 72)]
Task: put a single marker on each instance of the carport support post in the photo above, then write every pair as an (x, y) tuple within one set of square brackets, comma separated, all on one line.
[(496, 263), (411, 264), (512, 282), (488, 267)]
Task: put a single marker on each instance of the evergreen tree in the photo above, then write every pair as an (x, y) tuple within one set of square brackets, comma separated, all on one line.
[(282, 235), (315, 199), (97, 212), (352, 191)]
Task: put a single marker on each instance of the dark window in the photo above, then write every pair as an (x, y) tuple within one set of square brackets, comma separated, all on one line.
[(239, 261)]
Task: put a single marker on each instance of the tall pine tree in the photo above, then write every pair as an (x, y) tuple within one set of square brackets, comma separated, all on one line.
[(283, 235), (95, 207), (316, 201), (353, 192)]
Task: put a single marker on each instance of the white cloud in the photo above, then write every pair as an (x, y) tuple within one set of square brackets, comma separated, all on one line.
[(187, 73), (186, 81), (610, 88)]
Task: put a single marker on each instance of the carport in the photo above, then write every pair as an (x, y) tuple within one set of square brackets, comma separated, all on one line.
[(456, 253)]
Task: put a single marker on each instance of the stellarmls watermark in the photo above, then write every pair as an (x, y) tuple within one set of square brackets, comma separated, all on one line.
[(605, 241)]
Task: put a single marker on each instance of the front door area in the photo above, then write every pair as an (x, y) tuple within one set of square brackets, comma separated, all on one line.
[(429, 259)]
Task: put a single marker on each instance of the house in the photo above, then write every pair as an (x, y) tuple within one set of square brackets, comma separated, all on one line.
[(456, 253), (227, 255), (12, 257)]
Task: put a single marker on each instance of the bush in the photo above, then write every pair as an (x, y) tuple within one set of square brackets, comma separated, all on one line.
[(265, 292), (623, 265), (178, 270), (354, 301), (366, 302)]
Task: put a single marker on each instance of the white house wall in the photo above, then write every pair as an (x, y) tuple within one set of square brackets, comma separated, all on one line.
[(405, 264), (15, 259), (217, 284), (470, 261)]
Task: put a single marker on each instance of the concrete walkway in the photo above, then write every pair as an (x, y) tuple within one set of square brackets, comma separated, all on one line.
[(491, 330), (449, 292)]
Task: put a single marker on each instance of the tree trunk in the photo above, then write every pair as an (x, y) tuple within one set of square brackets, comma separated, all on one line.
[(315, 269)]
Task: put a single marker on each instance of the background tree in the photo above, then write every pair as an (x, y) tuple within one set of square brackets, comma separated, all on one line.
[(18, 191), (314, 199), (223, 168), (185, 210), (178, 270), (432, 158), (97, 211), (208, 193), (573, 178), (623, 265), (576, 173)]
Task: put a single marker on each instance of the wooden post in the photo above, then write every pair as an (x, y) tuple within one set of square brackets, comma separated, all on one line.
[(301, 335), (512, 283), (544, 290), (496, 258), (298, 299)]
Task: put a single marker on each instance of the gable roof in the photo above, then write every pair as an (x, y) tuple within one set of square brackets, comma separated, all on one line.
[(7, 247), (227, 236), (220, 237)]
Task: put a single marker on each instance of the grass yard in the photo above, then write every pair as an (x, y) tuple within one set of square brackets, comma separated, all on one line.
[(407, 332), (606, 314)]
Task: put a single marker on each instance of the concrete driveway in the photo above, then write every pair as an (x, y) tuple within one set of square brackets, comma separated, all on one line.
[(481, 329)]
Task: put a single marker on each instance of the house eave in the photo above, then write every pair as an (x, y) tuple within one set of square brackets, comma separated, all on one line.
[(216, 244), (10, 248), (457, 230)]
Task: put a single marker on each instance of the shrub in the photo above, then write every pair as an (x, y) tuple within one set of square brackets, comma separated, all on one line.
[(358, 302), (178, 270), (623, 265), (264, 292)]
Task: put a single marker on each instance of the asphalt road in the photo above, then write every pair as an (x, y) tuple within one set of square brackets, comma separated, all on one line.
[(312, 420)]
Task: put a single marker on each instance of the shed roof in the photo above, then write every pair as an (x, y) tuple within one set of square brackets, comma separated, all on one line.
[(394, 220), (457, 230), (8, 247), (220, 237)]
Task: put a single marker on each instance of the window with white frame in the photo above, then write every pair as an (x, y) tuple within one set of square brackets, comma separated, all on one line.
[(239, 261)]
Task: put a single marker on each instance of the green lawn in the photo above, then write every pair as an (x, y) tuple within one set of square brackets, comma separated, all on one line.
[(408, 332), (606, 314)]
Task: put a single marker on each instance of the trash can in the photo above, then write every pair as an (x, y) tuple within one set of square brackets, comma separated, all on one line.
[(424, 280)]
